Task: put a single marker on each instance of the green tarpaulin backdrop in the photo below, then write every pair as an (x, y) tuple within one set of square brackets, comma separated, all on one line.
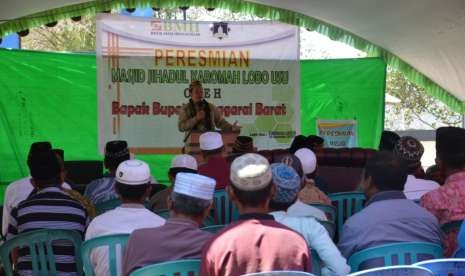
[(52, 96)]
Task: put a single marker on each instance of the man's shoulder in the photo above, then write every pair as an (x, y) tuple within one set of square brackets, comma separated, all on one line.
[(19, 184), (55, 198)]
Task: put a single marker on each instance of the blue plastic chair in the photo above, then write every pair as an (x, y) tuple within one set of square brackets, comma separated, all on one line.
[(401, 270), (445, 267), (225, 210), (178, 268), (406, 253), (347, 204), (280, 273), (109, 242), (213, 228), (40, 244), (329, 210), (108, 205), (329, 226)]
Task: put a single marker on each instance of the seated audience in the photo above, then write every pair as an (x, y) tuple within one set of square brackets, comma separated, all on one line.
[(388, 141), (410, 151), (180, 163), (19, 190), (388, 217), (311, 192), (180, 237), (287, 183), (215, 166), (102, 189), (447, 202), (132, 184), (256, 242), (49, 208)]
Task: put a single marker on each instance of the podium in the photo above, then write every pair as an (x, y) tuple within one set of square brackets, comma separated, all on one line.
[(192, 146)]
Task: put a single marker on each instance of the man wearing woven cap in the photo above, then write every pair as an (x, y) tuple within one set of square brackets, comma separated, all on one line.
[(102, 189), (180, 163), (388, 216), (132, 184), (49, 208), (200, 115), (256, 242), (19, 190), (180, 238), (216, 166), (410, 150), (447, 202), (287, 183)]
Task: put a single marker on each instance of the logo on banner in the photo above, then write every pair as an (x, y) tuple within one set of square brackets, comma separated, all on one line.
[(182, 28), (220, 30)]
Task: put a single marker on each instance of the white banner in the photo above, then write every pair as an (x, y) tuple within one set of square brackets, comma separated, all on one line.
[(249, 70)]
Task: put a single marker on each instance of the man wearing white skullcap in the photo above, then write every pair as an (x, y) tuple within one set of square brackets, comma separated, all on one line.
[(180, 163), (256, 242), (132, 184), (180, 237), (215, 166), (310, 192)]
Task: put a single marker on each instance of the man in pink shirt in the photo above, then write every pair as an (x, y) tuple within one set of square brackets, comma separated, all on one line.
[(216, 166), (447, 202), (256, 242)]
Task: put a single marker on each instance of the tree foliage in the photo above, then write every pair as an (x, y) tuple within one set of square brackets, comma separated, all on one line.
[(416, 105)]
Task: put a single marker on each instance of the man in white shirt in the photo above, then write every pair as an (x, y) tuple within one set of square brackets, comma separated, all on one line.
[(287, 183), (132, 183), (19, 190), (410, 150)]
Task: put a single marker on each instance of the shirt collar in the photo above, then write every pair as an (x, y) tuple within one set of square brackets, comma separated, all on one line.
[(182, 221), (50, 189), (386, 195), (132, 205), (259, 216)]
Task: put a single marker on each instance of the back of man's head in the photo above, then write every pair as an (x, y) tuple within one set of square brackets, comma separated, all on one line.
[(211, 143), (116, 152), (450, 147), (251, 180), (36, 148), (132, 180), (387, 171), (45, 169), (388, 141), (192, 194), (182, 163), (287, 183)]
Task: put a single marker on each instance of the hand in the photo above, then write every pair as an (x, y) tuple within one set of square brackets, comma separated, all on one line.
[(236, 127), (200, 115)]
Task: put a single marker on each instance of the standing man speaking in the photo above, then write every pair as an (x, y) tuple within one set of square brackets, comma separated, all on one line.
[(200, 115)]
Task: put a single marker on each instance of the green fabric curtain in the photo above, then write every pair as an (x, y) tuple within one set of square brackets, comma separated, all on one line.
[(346, 89), (52, 96)]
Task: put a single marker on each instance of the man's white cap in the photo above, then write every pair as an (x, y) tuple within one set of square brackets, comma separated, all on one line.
[(194, 185), (184, 161), (250, 172), (210, 141), (308, 160), (133, 172)]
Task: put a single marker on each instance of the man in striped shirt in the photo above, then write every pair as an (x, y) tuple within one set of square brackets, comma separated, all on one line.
[(49, 208)]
